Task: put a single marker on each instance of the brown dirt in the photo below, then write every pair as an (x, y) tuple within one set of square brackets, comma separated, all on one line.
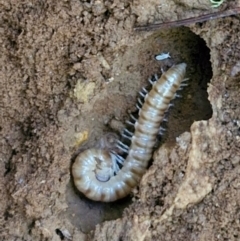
[(68, 69)]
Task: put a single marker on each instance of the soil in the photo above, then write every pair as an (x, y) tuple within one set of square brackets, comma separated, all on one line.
[(70, 73)]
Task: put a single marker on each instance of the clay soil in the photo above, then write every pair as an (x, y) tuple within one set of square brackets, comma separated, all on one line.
[(70, 72)]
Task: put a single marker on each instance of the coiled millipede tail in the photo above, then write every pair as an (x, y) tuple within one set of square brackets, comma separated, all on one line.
[(104, 175)]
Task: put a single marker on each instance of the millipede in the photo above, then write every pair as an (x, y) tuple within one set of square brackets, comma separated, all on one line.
[(109, 174)]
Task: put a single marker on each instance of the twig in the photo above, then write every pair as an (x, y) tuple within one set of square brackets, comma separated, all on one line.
[(187, 21)]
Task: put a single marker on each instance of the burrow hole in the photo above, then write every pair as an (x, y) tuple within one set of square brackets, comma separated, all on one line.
[(183, 46)]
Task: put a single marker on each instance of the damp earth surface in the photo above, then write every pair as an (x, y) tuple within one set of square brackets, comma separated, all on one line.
[(70, 73)]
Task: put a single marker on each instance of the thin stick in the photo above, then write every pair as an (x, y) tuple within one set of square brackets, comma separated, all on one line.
[(187, 21)]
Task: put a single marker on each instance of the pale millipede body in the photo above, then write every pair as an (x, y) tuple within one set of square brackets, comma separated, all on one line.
[(96, 172)]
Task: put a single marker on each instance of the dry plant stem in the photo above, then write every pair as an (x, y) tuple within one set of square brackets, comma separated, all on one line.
[(187, 21)]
